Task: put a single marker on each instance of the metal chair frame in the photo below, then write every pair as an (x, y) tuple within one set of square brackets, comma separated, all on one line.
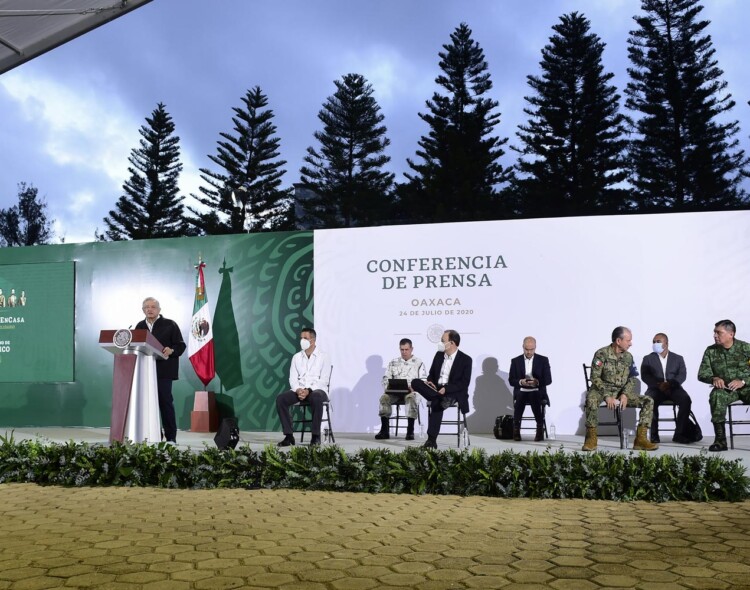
[(732, 422), (399, 417), (305, 420), (531, 418), (460, 424)]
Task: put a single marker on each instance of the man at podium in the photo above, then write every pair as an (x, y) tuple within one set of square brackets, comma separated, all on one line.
[(167, 332)]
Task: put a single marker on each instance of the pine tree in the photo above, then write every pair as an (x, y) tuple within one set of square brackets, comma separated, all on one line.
[(683, 157), (25, 224), (151, 206), (348, 186), (459, 175), (245, 194), (573, 154)]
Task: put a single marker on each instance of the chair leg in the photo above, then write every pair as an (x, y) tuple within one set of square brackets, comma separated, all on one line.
[(731, 427), (618, 418)]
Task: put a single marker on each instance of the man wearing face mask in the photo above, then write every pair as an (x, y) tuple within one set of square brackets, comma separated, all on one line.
[(447, 381), (664, 372), (726, 366), (309, 374)]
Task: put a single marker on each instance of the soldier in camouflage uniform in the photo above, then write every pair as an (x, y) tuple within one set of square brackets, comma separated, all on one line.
[(406, 367), (613, 380), (726, 366)]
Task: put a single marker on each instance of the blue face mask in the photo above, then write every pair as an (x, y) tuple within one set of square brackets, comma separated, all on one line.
[(657, 347)]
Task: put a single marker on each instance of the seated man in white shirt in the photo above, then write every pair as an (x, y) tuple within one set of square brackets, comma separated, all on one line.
[(407, 367), (309, 373)]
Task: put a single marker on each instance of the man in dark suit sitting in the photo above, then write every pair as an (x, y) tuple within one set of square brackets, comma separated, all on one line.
[(664, 372), (530, 375), (447, 381)]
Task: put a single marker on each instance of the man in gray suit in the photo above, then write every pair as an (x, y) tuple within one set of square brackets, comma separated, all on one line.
[(664, 372)]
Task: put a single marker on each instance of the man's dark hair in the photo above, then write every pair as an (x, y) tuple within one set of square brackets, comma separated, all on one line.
[(728, 325), (454, 337), (663, 334), (311, 331), (618, 333), (405, 341)]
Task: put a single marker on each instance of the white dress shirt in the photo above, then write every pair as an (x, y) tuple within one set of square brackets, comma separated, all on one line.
[(445, 370), (313, 372)]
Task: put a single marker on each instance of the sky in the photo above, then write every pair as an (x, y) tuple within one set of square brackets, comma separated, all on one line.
[(69, 119)]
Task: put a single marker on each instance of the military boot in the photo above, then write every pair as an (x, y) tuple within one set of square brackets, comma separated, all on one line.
[(384, 426), (591, 440), (516, 431), (410, 429), (539, 432), (720, 437), (641, 442)]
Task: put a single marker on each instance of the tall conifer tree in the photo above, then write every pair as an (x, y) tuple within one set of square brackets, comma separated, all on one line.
[(151, 206), (685, 154), (25, 224), (245, 194), (573, 153), (345, 174), (459, 173)]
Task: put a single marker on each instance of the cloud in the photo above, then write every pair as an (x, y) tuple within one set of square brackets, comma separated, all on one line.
[(81, 127), (386, 69)]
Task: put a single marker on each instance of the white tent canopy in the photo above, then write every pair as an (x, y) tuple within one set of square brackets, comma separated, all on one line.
[(29, 28)]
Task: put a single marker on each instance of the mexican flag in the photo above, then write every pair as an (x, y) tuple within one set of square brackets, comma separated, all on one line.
[(201, 340)]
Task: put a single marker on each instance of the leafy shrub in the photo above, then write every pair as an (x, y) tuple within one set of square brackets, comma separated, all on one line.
[(549, 474)]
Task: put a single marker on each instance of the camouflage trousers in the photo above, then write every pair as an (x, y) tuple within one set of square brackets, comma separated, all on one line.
[(595, 398), (719, 399), (387, 401)]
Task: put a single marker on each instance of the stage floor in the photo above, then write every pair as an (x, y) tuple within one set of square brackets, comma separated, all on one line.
[(352, 442)]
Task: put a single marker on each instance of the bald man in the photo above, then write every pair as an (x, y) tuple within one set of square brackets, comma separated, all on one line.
[(529, 375)]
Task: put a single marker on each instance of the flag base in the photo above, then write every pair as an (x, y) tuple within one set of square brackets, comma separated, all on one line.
[(205, 414)]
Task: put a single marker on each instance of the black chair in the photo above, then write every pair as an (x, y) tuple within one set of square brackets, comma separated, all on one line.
[(733, 422), (525, 418), (617, 413), (302, 415), (399, 416), (672, 419), (462, 429)]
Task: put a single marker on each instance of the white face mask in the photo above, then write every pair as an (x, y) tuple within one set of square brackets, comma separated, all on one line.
[(304, 343), (658, 347), (441, 346)]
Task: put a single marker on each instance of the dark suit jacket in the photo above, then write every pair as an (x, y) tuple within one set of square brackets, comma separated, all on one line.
[(652, 373), (167, 332), (539, 370), (458, 379)]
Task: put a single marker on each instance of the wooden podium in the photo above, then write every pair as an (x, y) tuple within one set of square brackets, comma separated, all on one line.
[(135, 399)]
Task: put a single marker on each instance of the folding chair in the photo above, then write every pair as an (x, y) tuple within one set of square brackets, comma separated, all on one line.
[(525, 418), (400, 417), (462, 429), (617, 413), (302, 415), (733, 422)]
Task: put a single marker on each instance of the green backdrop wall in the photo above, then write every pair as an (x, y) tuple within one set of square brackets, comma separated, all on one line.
[(271, 297)]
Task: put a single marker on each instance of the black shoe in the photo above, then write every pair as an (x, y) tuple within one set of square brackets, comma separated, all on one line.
[(680, 440), (655, 438), (718, 446), (430, 444), (287, 442), (409, 436), (382, 435), (315, 440)]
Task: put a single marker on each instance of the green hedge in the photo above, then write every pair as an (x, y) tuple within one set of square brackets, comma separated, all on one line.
[(549, 474)]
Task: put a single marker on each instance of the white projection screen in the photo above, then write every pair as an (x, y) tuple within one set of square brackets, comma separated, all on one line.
[(567, 282)]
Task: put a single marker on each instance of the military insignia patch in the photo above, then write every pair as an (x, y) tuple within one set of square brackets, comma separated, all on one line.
[(598, 363)]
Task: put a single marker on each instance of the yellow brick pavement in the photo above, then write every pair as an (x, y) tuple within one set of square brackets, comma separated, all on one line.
[(122, 538)]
